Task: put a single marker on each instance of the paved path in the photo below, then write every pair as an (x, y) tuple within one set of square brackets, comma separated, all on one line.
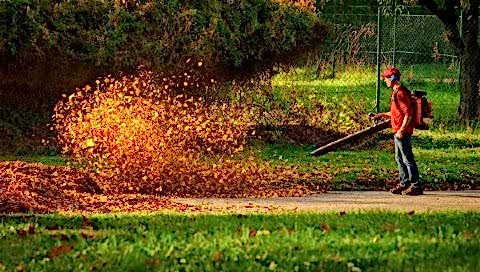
[(346, 201)]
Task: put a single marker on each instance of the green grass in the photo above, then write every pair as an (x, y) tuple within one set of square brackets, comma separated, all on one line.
[(372, 241), (442, 157), (437, 167), (48, 160), (359, 84)]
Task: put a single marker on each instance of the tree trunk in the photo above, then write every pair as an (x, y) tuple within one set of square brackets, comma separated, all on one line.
[(467, 48), (469, 107)]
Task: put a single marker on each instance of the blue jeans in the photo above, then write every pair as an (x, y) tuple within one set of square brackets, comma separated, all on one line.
[(407, 167)]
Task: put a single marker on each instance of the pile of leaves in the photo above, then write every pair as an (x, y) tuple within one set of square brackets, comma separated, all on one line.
[(28, 187)]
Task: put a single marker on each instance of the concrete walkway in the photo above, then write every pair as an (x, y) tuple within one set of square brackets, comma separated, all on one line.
[(346, 201)]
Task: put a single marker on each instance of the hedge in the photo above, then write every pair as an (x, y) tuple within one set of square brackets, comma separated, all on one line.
[(232, 35)]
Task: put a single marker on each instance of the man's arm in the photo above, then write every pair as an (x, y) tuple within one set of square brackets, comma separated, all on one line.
[(406, 121), (406, 107), (381, 115)]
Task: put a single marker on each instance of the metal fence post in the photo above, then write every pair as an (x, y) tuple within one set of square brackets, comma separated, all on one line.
[(333, 57), (394, 32), (459, 76), (379, 50)]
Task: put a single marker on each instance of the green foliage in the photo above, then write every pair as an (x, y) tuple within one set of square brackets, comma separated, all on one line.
[(226, 34), (370, 241), (20, 136)]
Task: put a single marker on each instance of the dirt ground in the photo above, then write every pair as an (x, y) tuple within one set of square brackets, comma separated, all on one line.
[(346, 201)]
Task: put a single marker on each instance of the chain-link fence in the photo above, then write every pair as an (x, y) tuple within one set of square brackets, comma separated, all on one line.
[(368, 39)]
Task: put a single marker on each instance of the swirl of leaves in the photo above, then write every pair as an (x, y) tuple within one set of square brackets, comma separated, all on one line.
[(136, 129), (139, 133)]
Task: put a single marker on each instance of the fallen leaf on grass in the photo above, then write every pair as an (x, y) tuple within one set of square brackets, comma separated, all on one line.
[(31, 230), (390, 227), (19, 268), (22, 233), (217, 256), (252, 232), (263, 232), (55, 234), (325, 227), (55, 227), (351, 267), (59, 250), (89, 234)]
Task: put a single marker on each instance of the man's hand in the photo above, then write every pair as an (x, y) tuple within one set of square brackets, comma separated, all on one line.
[(399, 134), (377, 116)]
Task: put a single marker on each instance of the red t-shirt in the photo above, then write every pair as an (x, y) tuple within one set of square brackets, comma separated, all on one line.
[(401, 106)]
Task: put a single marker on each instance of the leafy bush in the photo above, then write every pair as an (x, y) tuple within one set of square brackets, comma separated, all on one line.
[(239, 35)]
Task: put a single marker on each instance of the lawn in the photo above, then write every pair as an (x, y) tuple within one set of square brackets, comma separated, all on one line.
[(371, 241), (438, 167)]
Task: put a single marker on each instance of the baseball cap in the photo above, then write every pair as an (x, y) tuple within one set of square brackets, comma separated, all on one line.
[(389, 72)]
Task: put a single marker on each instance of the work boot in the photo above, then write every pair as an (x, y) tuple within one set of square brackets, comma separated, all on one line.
[(399, 189), (413, 191)]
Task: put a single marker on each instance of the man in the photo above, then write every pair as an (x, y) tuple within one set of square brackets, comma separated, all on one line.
[(400, 114)]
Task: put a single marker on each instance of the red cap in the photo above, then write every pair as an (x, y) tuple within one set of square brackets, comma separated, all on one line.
[(391, 71)]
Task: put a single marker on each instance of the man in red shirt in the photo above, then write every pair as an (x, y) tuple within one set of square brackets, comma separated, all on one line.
[(400, 114)]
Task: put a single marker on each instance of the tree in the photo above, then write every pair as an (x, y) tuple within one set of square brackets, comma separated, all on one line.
[(466, 45)]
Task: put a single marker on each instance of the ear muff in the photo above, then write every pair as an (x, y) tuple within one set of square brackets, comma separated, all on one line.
[(393, 78)]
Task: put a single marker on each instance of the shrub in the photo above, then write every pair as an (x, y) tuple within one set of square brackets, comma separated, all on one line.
[(240, 35)]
